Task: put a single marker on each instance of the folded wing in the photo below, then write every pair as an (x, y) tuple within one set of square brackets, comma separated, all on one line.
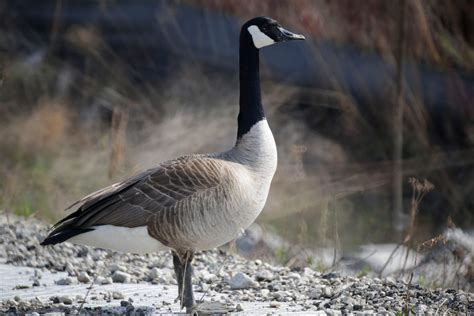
[(136, 201)]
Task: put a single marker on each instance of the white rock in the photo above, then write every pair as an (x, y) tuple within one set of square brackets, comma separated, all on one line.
[(65, 281), (116, 295), (264, 275), (121, 277), (207, 277), (264, 292), (274, 304), (242, 281), (154, 273), (117, 267), (83, 277), (315, 294), (327, 291), (390, 281), (294, 275)]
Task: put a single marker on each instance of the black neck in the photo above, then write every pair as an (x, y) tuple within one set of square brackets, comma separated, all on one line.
[(251, 110)]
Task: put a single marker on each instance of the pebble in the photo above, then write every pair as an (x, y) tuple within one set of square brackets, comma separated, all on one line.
[(315, 294), (66, 300), (65, 281), (274, 304), (116, 295), (239, 308), (242, 281), (83, 277), (121, 277), (154, 273), (264, 275), (103, 281)]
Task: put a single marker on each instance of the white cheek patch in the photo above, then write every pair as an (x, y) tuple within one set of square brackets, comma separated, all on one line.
[(259, 38)]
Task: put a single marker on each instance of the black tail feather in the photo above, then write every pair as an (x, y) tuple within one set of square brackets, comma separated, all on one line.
[(64, 235)]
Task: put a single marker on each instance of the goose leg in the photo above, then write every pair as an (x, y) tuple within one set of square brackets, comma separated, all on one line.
[(188, 299), (184, 272), (178, 271)]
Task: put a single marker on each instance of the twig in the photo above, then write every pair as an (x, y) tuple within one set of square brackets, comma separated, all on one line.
[(181, 304), (336, 237), (92, 285), (407, 299), (218, 272), (439, 306), (389, 258)]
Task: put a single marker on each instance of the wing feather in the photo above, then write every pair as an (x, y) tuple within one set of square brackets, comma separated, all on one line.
[(133, 202)]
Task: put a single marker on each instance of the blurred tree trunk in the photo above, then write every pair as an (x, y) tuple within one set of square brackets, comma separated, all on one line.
[(398, 222), (119, 124)]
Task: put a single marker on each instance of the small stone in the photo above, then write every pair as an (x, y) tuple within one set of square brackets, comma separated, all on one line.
[(390, 281), (121, 277), (264, 292), (66, 300), (11, 302), (294, 275), (103, 281), (154, 273), (239, 308), (242, 281), (116, 295), (347, 300), (274, 304), (315, 294), (117, 267), (17, 298), (308, 271), (327, 292), (83, 277), (106, 281), (208, 277), (358, 307), (264, 275), (65, 281), (420, 309), (34, 314), (124, 303)]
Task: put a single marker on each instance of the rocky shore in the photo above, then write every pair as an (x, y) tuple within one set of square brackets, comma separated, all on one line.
[(103, 282)]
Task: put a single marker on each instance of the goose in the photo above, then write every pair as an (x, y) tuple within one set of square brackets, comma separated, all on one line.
[(195, 202)]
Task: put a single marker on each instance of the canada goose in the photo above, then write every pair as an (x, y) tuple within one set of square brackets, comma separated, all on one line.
[(195, 202)]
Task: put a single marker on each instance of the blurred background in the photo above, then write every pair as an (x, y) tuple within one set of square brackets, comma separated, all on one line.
[(380, 92)]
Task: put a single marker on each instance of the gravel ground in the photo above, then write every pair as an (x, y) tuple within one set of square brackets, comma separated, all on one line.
[(237, 284)]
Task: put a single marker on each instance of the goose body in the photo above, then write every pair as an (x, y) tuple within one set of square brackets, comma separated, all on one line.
[(194, 202)]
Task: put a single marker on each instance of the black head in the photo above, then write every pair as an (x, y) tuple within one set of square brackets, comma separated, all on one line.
[(266, 31)]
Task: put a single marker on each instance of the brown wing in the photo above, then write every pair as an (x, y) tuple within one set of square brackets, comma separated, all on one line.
[(134, 202)]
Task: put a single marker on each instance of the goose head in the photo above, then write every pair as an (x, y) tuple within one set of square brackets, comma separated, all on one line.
[(265, 31)]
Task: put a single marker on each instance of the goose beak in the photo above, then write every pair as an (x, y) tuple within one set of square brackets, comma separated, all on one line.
[(289, 36)]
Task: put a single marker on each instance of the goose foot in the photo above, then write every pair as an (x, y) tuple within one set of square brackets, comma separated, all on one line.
[(184, 272)]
